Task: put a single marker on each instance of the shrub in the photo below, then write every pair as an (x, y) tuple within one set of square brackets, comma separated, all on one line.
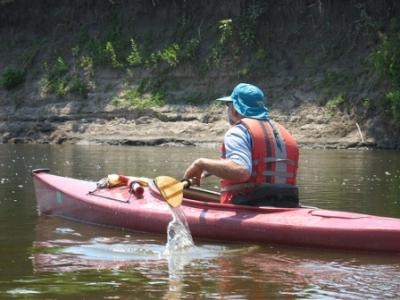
[(393, 102), (248, 24), (386, 60), (170, 55), (133, 97), (190, 49), (60, 68), (53, 80), (10, 78), (334, 104), (225, 30), (223, 40), (78, 86), (60, 80), (112, 56), (134, 58)]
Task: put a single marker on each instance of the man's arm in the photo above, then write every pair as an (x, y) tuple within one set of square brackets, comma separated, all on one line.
[(222, 168)]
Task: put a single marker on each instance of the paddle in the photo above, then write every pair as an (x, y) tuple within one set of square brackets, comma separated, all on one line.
[(172, 190)]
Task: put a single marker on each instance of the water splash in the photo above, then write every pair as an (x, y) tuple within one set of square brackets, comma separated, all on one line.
[(179, 236)]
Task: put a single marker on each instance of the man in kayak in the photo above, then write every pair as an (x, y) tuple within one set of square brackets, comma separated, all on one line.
[(259, 156)]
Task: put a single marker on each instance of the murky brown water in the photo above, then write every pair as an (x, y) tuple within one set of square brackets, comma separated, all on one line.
[(45, 257)]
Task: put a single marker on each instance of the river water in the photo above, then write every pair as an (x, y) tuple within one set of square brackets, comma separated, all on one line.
[(50, 258)]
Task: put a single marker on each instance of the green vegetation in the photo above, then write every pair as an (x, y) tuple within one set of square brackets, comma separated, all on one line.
[(386, 61), (53, 80), (11, 78), (170, 55), (134, 58), (223, 40), (254, 41), (112, 56), (333, 89), (393, 104), (62, 79), (248, 24), (134, 97), (334, 104)]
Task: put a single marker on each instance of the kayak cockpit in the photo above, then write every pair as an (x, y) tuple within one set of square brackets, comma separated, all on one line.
[(201, 198), (200, 194)]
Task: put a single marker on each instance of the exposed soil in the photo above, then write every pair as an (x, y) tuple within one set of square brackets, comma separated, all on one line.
[(312, 126)]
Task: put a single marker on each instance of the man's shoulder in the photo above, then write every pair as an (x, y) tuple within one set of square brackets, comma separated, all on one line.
[(237, 130)]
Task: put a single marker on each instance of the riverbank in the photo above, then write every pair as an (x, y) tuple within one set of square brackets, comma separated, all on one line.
[(183, 125), (85, 73)]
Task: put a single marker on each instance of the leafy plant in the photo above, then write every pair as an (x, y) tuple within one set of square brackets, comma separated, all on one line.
[(170, 55), (224, 36), (53, 80), (366, 103), (190, 49), (334, 104), (10, 78), (133, 97), (393, 102), (134, 57), (60, 80), (386, 60), (248, 25), (60, 68), (78, 86), (112, 56), (225, 31), (104, 48)]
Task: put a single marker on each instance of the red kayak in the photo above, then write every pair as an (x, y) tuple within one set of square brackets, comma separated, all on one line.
[(82, 201)]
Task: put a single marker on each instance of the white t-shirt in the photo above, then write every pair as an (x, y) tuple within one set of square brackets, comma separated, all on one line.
[(238, 146)]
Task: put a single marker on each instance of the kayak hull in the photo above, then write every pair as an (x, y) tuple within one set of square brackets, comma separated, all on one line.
[(310, 227)]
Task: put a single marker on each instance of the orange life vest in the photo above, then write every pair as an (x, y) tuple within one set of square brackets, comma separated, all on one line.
[(275, 157)]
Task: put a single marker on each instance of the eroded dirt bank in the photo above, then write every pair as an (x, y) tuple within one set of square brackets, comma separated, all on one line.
[(313, 127)]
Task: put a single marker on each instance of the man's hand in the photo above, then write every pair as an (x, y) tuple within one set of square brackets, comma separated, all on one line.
[(194, 172)]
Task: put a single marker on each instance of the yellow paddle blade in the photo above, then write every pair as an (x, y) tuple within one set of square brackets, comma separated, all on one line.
[(170, 189)]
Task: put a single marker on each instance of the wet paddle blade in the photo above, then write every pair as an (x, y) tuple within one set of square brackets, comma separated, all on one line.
[(170, 189)]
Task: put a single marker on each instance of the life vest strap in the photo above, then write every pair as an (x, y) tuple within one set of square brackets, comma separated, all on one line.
[(275, 160)]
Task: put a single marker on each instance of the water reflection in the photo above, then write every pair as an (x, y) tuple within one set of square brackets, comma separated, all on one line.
[(64, 249), (246, 271)]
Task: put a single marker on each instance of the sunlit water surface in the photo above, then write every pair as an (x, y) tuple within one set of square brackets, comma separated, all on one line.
[(50, 258)]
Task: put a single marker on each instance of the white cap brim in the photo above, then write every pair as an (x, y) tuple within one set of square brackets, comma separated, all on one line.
[(227, 98)]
